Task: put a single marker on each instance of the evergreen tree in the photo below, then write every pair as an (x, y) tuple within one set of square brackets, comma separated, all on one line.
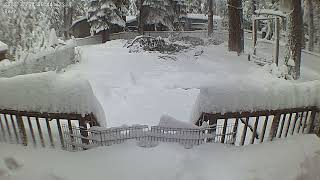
[(102, 14)]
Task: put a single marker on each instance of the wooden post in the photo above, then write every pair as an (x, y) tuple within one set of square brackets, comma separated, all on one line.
[(60, 133), (2, 129), (8, 127), (14, 129), (254, 132), (274, 127), (264, 128), (282, 125), (40, 132), (235, 130), (22, 130), (84, 129), (32, 132), (277, 34), (288, 127), (224, 130), (49, 132), (254, 34), (244, 132)]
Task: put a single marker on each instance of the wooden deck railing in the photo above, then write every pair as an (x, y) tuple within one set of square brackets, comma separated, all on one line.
[(37, 128), (258, 126)]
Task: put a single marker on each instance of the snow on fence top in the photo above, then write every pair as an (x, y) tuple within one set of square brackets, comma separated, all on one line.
[(50, 92), (3, 47), (244, 96)]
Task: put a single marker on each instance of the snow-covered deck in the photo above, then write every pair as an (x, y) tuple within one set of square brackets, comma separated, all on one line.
[(138, 88)]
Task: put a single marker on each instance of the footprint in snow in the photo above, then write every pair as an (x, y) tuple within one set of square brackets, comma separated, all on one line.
[(12, 164)]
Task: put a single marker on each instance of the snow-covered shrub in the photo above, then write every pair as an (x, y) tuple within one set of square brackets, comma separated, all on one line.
[(278, 71), (193, 41), (150, 44)]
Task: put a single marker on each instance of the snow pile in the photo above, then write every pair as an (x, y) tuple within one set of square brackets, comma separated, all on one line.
[(3, 47), (170, 122), (278, 71), (295, 158), (49, 60), (252, 95), (50, 92)]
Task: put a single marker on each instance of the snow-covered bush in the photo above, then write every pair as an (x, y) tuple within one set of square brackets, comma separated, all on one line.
[(151, 44), (193, 41)]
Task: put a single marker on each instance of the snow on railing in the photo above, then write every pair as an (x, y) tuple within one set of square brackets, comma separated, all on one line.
[(81, 139)]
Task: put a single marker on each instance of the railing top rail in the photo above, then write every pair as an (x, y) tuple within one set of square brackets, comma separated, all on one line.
[(57, 115), (259, 113)]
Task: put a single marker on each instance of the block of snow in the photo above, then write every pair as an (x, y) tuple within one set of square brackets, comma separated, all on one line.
[(170, 122), (244, 95), (50, 92)]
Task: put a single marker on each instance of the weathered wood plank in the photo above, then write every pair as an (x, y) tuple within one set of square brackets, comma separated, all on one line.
[(254, 132), (263, 132), (32, 132), (40, 132), (49, 132), (244, 132)]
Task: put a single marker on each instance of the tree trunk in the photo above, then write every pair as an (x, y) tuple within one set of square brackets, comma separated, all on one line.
[(140, 21), (210, 17), (295, 29), (236, 41), (105, 35), (310, 25)]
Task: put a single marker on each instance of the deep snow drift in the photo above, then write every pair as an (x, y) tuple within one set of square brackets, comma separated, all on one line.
[(295, 158), (50, 92)]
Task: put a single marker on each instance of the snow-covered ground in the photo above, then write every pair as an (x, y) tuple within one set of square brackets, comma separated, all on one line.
[(138, 88), (295, 158)]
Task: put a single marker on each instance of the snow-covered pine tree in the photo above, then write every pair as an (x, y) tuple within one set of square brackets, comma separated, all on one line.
[(180, 11), (194, 6), (26, 27), (102, 14)]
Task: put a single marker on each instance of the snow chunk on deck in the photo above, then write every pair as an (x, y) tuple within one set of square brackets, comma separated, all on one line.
[(50, 92)]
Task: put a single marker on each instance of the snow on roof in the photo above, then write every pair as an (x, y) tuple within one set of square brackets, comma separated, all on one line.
[(130, 19), (50, 92), (200, 16), (78, 20), (3, 46)]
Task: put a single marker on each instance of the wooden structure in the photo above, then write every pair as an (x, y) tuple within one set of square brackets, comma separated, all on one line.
[(145, 135), (261, 16), (3, 51), (265, 125), (40, 129)]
